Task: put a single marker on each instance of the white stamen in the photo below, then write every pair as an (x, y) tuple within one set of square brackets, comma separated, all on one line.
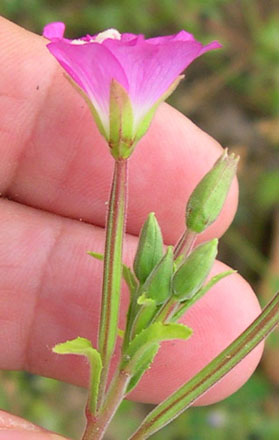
[(109, 33), (77, 42), (99, 38)]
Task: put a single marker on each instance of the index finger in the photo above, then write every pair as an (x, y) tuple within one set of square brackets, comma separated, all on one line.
[(53, 157)]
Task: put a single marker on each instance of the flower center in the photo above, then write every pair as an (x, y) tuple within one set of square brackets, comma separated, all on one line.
[(99, 38)]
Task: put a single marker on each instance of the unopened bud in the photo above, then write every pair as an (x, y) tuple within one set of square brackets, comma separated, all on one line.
[(150, 248), (191, 275), (207, 199), (158, 284)]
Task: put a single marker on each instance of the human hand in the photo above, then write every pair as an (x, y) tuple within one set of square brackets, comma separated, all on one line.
[(54, 172)]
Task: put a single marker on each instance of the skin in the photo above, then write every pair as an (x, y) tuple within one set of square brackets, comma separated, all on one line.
[(55, 174)]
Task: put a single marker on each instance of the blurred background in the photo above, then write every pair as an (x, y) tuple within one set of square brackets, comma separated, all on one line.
[(234, 96)]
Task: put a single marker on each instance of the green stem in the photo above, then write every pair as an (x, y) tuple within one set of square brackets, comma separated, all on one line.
[(97, 426), (130, 317), (179, 401), (112, 269), (167, 310), (185, 243)]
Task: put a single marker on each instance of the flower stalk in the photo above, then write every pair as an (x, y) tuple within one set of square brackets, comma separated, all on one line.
[(112, 270)]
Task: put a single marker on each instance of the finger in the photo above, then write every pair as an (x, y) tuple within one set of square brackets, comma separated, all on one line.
[(53, 158), (15, 428), (51, 293)]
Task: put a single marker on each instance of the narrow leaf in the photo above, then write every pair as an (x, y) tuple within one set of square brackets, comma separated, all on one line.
[(129, 278), (96, 255), (146, 361), (152, 335), (127, 274), (188, 303), (83, 347)]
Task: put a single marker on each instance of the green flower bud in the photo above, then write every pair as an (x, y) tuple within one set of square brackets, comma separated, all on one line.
[(191, 275), (150, 248), (207, 199), (158, 284)]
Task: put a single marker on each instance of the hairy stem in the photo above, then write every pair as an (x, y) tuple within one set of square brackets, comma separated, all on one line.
[(112, 269), (97, 426), (185, 244)]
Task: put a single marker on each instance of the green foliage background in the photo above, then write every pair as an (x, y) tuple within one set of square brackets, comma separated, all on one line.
[(233, 95)]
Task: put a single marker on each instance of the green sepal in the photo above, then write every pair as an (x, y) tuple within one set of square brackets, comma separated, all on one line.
[(126, 272), (158, 284), (200, 293), (145, 122), (190, 276), (207, 199), (146, 361), (83, 347), (145, 314), (93, 110), (150, 248), (129, 278), (120, 122), (177, 262), (135, 354)]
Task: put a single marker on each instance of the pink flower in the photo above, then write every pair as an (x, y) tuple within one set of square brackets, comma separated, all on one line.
[(124, 76)]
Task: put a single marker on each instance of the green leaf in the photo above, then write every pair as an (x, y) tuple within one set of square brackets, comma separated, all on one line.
[(129, 278), (96, 255), (134, 357), (201, 292), (150, 248), (126, 272), (186, 395), (146, 360), (83, 347)]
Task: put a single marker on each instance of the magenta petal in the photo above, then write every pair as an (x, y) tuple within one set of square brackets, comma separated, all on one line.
[(181, 36), (92, 66), (152, 68), (54, 31), (211, 46), (145, 68)]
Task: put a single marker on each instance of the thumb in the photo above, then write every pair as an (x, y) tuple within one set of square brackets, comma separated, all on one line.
[(15, 428)]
